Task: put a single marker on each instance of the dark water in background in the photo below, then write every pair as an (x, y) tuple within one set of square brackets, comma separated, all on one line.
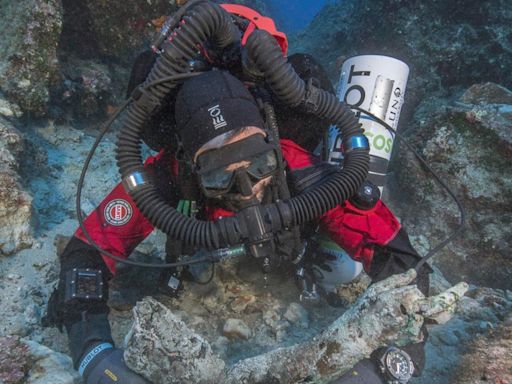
[(294, 15)]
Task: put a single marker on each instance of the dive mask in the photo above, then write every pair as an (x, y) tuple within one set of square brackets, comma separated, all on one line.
[(212, 166)]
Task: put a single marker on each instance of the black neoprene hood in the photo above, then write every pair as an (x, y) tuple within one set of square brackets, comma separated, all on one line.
[(212, 104)]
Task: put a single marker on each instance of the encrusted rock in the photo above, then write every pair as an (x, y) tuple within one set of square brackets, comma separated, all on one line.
[(112, 28), (28, 48), (281, 330), (241, 303), (236, 329), (488, 359), (493, 110), (453, 343), (9, 109), (25, 361), (350, 292), (438, 282), (296, 314), (469, 146), (420, 33), (220, 346), (14, 360), (15, 203), (86, 90), (487, 93), (164, 350), (271, 317)]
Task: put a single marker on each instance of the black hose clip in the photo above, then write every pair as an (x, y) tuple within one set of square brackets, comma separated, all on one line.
[(164, 32), (145, 99), (311, 97)]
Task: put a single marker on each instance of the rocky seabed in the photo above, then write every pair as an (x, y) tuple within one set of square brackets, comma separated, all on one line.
[(55, 93)]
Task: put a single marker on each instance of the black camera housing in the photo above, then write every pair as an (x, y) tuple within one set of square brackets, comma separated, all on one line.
[(84, 284)]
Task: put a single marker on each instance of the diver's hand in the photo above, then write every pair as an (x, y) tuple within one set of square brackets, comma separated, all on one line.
[(107, 366), (364, 372)]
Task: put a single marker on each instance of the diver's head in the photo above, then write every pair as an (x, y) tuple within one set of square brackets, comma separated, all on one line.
[(223, 135)]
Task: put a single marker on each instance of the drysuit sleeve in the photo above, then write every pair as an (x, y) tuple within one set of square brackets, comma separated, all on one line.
[(359, 231), (117, 225), (356, 231)]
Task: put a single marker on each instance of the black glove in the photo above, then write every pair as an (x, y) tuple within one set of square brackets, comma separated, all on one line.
[(104, 364), (364, 372), (318, 267)]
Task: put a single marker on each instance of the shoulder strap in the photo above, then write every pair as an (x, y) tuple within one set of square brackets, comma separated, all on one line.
[(257, 21)]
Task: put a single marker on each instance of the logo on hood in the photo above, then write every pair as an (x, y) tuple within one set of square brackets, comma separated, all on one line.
[(218, 119)]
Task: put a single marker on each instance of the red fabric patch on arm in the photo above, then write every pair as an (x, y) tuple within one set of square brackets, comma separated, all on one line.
[(116, 225)]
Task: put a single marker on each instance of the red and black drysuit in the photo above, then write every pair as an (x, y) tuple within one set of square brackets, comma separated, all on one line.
[(373, 237), (117, 226)]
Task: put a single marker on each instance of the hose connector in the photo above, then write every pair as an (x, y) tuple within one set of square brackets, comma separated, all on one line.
[(310, 101), (356, 142), (134, 180)]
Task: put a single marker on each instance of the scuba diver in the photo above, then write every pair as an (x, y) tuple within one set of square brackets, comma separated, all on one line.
[(231, 173)]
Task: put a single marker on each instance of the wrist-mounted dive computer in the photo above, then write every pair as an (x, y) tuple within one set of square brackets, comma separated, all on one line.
[(396, 365)]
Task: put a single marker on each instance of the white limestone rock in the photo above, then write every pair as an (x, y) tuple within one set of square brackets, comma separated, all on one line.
[(163, 349), (236, 329), (49, 366), (15, 202), (297, 314)]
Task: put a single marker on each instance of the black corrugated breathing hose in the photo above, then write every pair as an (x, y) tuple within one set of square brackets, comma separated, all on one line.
[(206, 21), (292, 90)]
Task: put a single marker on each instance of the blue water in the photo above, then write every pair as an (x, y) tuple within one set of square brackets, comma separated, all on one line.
[(294, 15)]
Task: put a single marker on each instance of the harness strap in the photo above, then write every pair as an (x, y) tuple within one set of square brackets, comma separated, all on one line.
[(257, 21)]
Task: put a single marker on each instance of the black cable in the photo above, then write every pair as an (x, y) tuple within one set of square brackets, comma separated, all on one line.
[(104, 130), (462, 222)]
